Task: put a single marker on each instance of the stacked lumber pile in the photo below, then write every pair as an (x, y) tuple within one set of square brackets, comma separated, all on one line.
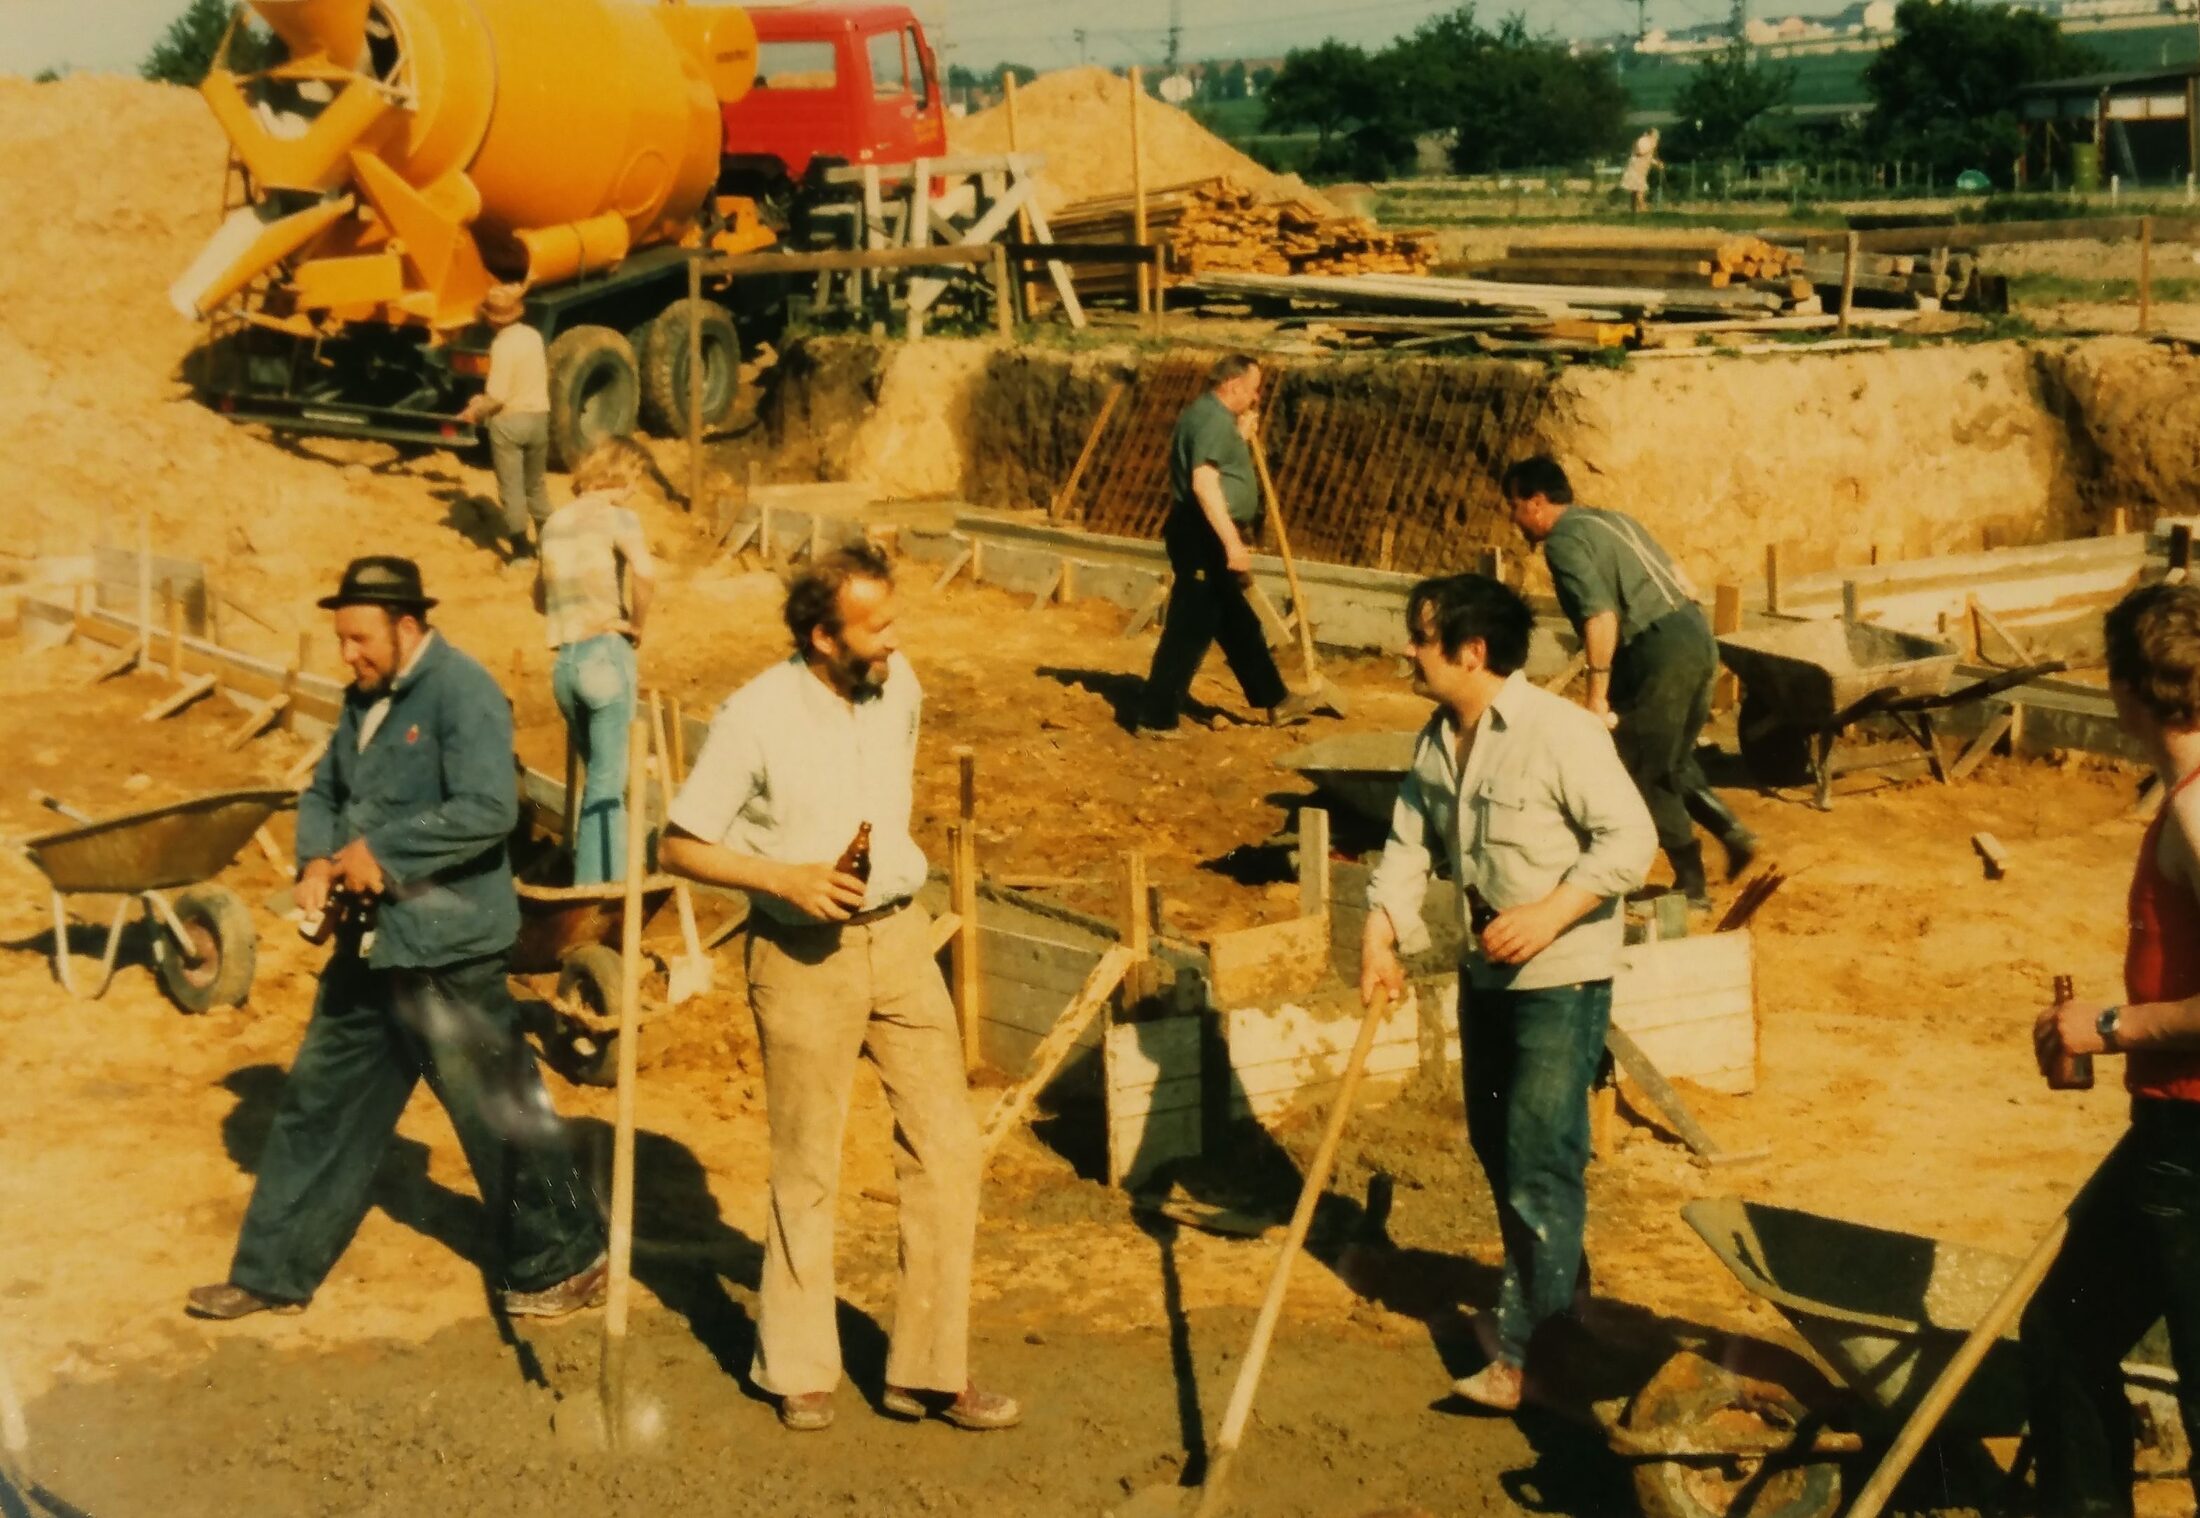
[(1217, 225), (1916, 280), (1715, 265)]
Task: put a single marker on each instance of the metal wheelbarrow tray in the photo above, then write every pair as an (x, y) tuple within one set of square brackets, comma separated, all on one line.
[(573, 931), (205, 956), (1882, 1312), (1807, 685)]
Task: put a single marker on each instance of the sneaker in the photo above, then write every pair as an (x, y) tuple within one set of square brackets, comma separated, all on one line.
[(1292, 711), (1159, 734), (583, 1289), (976, 1410), (806, 1412), (229, 1300), (1495, 1386)]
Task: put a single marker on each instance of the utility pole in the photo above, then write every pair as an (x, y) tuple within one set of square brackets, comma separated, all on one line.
[(1176, 32), (1079, 34), (1642, 22)]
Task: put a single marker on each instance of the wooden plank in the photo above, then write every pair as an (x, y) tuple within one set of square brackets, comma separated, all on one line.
[(1294, 1034), (1274, 960), (1979, 747), (1047, 1060), (1639, 1068), (1068, 492), (121, 663), (1147, 609), (926, 290), (257, 720), (1154, 1095), (966, 556), (191, 690), (1056, 269)]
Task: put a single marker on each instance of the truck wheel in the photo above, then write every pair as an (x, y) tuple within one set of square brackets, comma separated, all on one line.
[(665, 367), (219, 927), (595, 391), (1691, 1396)]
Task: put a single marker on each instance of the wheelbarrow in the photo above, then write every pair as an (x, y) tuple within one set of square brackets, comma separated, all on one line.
[(1808, 688), (1358, 772), (204, 943), (571, 931), (1881, 1313)]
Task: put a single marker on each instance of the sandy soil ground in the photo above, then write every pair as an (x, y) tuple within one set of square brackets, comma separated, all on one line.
[(1895, 987)]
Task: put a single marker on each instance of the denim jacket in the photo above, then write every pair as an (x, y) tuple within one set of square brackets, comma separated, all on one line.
[(435, 794)]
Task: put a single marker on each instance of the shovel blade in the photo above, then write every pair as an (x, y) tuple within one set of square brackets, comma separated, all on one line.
[(690, 975)]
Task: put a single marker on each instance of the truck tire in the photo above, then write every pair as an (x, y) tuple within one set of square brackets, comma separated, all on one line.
[(665, 367), (224, 943), (595, 391)]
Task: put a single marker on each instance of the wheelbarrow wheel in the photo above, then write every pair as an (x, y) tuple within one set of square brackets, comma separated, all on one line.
[(588, 1044), (213, 967), (1776, 751), (1691, 1395)]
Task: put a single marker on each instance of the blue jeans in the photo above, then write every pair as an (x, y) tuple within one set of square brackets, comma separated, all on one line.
[(594, 682), (1528, 1058)]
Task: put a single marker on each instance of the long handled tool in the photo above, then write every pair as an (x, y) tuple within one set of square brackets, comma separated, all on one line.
[(693, 972), (1957, 1374), (1320, 690), (1222, 1450), (621, 1278)]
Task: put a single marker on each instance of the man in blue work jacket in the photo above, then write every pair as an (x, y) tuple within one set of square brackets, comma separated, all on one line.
[(403, 832)]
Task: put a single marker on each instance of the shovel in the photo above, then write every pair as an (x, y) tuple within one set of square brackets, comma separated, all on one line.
[(693, 972), (1160, 1501), (1326, 697)]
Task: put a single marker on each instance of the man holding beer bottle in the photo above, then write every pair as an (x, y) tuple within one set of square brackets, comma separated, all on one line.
[(801, 797)]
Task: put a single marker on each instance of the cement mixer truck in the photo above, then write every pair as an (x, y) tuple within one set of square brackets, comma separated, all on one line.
[(392, 159)]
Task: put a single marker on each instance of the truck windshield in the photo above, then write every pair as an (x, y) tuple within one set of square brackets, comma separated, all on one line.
[(795, 66)]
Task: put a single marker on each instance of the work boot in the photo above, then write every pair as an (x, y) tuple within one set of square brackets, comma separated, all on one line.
[(1718, 819), (1688, 876), (229, 1300), (585, 1288), (978, 1411)]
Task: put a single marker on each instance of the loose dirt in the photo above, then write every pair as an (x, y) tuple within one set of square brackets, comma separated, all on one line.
[(1081, 120)]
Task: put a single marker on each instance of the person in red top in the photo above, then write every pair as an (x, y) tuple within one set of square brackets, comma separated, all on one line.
[(2133, 1251)]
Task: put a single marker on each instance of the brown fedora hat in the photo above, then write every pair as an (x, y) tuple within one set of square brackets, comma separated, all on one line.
[(504, 304)]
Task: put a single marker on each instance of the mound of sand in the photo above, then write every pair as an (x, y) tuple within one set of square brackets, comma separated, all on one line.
[(1080, 119)]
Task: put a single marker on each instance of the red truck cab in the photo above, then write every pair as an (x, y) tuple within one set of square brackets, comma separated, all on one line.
[(836, 84)]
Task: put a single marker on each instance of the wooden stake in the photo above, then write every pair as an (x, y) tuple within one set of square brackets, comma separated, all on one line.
[(145, 583), (1726, 617), (1138, 184), (1137, 925), (1775, 561), (179, 698), (679, 743), (1313, 861), (966, 782), (962, 886), (2146, 274), (175, 629), (1848, 284)]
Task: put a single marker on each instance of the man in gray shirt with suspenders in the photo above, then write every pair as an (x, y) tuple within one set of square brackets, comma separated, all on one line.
[(1650, 658)]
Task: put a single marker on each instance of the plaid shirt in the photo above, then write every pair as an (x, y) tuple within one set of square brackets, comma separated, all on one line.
[(582, 546)]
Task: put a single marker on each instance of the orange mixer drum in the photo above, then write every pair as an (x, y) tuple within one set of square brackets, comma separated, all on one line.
[(561, 134)]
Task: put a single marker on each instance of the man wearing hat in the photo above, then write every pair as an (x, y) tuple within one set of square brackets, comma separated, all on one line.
[(403, 833), (516, 405)]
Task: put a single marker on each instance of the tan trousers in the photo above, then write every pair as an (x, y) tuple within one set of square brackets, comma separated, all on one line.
[(824, 996)]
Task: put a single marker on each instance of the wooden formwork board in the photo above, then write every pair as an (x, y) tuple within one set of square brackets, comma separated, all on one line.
[(114, 578), (1286, 1055), (1691, 1005)]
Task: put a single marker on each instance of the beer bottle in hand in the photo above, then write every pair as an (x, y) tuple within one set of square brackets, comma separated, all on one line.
[(855, 859), (2070, 1072)]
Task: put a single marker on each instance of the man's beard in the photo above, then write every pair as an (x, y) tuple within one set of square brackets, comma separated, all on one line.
[(863, 679)]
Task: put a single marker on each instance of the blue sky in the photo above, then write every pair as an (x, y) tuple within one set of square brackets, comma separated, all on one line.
[(114, 34)]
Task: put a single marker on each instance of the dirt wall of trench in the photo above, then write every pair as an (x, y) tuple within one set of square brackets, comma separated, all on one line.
[(1910, 450)]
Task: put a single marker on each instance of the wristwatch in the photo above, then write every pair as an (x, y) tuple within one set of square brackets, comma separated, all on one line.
[(2106, 1026)]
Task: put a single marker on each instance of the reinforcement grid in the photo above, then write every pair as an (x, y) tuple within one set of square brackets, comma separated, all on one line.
[(1389, 464)]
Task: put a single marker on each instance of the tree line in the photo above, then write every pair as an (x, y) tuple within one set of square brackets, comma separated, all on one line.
[(1942, 91)]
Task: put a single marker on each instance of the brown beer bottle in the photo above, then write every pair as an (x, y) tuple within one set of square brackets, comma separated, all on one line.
[(855, 859), (2070, 1072)]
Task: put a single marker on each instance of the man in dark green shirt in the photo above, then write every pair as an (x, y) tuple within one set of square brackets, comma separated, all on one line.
[(1214, 497), (1650, 658)]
